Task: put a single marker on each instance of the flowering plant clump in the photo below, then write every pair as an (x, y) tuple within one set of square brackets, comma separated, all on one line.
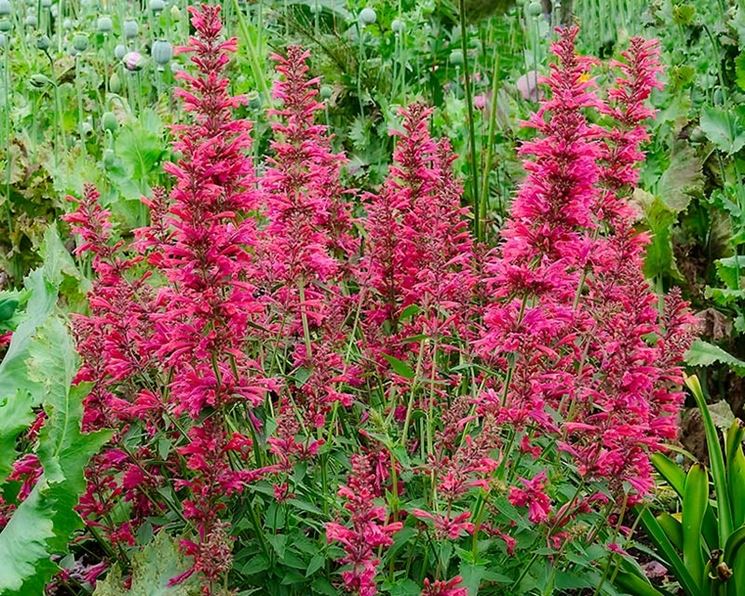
[(310, 397)]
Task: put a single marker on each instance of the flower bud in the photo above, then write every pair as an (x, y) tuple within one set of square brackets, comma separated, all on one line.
[(115, 83), (133, 61), (37, 81), (109, 122), (43, 43)]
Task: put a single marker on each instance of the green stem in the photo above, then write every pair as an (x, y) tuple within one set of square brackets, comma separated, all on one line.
[(471, 126)]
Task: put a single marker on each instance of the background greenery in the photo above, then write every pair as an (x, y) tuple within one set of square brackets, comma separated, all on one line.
[(85, 96)]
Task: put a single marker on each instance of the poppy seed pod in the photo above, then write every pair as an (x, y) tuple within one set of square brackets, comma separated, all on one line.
[(397, 26), (130, 29), (119, 51), (5, 8), (104, 24), (80, 43), (5, 25), (535, 9), (157, 5), (162, 52), (368, 16)]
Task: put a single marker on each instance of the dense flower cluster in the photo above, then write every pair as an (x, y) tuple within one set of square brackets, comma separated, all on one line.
[(291, 379)]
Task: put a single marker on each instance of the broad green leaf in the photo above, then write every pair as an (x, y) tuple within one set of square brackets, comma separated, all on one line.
[(152, 568), (716, 460), (740, 70), (673, 529), (730, 270), (13, 375), (15, 416), (724, 128), (736, 472), (670, 471), (668, 552), (659, 218), (682, 177), (695, 502), (400, 367), (702, 353), (472, 575), (57, 261), (42, 524)]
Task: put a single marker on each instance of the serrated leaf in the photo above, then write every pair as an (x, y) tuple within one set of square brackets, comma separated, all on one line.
[(682, 177), (152, 568), (740, 70), (702, 353), (659, 218), (13, 375), (42, 524), (15, 415)]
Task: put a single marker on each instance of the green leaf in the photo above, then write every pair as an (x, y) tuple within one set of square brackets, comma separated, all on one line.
[(724, 128), (716, 459), (736, 472), (681, 179), (740, 70), (659, 538), (13, 377), (673, 529), (15, 415), (730, 270), (695, 502), (57, 260), (472, 575), (42, 525), (255, 564), (400, 367), (315, 564), (670, 471), (152, 568), (659, 218), (279, 543), (702, 353)]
